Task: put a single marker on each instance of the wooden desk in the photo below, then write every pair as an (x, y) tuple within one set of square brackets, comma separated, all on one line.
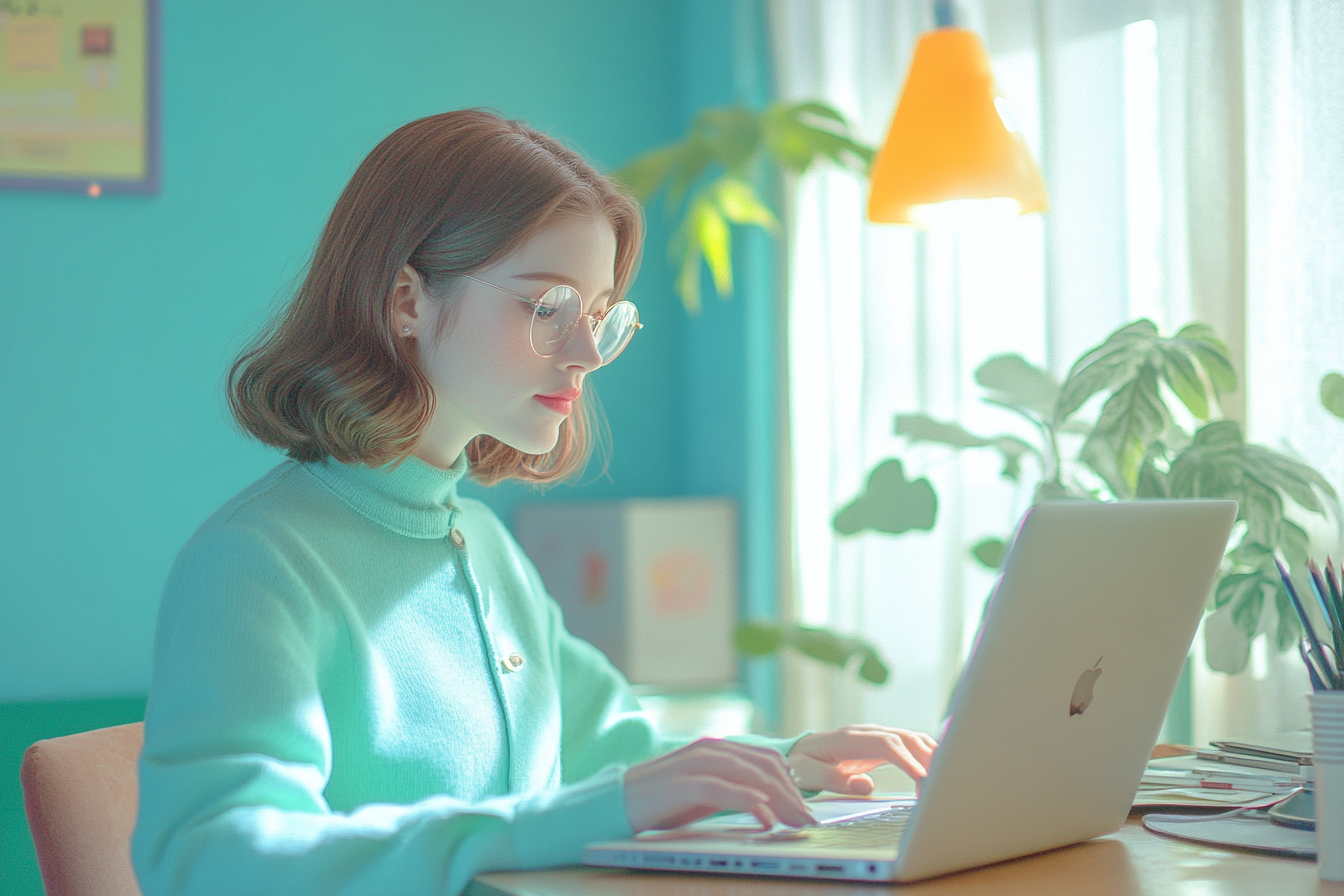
[(1129, 863)]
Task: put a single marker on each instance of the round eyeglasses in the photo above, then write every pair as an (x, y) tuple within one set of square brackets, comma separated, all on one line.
[(557, 313)]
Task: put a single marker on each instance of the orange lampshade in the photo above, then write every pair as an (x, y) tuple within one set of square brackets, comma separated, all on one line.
[(948, 140)]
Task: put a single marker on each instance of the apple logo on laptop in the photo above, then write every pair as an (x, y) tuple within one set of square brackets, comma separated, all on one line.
[(1082, 691)]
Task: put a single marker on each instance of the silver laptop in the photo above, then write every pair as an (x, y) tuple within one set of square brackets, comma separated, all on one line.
[(1052, 721)]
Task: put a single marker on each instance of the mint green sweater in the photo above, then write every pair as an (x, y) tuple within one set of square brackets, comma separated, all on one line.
[(360, 685)]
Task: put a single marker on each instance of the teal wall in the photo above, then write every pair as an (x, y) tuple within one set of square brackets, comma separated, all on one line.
[(121, 313), (731, 349)]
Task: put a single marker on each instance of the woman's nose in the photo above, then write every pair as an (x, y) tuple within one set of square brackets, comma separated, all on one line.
[(580, 351)]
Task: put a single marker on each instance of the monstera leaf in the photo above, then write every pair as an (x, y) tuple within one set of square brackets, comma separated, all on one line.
[(890, 503), (1219, 463), (1133, 365), (759, 638)]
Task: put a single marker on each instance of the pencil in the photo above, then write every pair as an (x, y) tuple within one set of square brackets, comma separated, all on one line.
[(1335, 597), (1318, 586), (1328, 678), (1316, 683)]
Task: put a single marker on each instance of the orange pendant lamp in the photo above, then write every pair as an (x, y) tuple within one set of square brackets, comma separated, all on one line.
[(948, 146)]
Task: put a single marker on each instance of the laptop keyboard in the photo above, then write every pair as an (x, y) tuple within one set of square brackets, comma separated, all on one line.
[(884, 829)]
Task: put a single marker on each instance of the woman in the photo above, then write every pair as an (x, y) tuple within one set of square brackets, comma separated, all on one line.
[(360, 684)]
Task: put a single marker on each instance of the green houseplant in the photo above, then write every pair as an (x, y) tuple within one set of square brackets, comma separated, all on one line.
[(1157, 433), (708, 179)]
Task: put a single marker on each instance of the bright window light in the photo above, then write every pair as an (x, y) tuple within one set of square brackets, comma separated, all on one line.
[(1143, 181)]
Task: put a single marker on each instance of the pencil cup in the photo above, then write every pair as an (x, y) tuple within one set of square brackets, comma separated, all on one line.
[(1327, 736)]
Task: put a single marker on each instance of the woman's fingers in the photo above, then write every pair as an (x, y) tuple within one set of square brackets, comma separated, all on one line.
[(710, 776), (900, 756), (763, 769), (814, 774), (849, 752)]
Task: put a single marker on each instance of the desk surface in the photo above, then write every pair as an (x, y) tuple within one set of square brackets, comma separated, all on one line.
[(1129, 863)]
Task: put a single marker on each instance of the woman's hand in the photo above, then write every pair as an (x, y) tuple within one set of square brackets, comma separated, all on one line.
[(840, 760), (711, 776)]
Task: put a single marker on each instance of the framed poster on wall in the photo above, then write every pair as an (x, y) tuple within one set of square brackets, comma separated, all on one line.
[(79, 95)]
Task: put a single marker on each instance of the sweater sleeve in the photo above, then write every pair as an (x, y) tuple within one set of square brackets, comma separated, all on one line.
[(603, 721), (238, 752)]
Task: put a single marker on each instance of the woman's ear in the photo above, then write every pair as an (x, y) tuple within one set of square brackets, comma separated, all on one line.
[(410, 305)]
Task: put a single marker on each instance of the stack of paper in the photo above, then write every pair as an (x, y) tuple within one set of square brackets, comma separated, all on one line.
[(1232, 773)]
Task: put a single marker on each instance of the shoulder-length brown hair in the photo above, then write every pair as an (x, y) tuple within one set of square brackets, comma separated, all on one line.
[(446, 194)]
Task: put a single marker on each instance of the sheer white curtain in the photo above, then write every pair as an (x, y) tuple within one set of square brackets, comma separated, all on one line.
[(1293, 53), (1191, 149)]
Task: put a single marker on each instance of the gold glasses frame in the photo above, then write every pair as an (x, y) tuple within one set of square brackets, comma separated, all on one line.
[(595, 319)]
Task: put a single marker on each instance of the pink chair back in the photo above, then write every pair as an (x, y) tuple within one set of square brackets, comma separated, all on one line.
[(80, 793)]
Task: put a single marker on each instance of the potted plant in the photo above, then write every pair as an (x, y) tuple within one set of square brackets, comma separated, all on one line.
[(1158, 433)]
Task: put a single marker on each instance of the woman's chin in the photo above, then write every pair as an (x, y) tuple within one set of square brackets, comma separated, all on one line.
[(535, 442)]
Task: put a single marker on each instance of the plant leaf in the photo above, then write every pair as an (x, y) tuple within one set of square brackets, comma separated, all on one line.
[(1248, 608), (1181, 376), (1332, 393), (872, 668), (703, 234), (1227, 647), (1012, 449), (1234, 587), (797, 134), (1130, 419), (733, 132), (1288, 630), (1219, 464), (756, 638), (1054, 491), (1203, 344), (740, 204), (1293, 542), (1152, 482), (1015, 382), (644, 175), (889, 503), (688, 280), (715, 243), (1107, 366), (989, 552), (694, 159), (1074, 427), (921, 428), (821, 644)]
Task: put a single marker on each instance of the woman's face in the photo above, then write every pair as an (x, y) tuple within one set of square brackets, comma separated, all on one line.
[(487, 380)]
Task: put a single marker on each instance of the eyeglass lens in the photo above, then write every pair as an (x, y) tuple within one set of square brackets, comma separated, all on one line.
[(557, 314)]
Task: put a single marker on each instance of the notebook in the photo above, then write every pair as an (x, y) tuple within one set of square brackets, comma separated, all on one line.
[(1051, 722)]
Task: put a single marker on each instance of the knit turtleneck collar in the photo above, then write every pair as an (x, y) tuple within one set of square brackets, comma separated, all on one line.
[(412, 498)]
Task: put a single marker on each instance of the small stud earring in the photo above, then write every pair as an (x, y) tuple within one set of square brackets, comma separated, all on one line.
[(406, 331)]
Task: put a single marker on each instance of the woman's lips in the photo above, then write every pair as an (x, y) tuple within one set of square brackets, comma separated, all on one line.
[(560, 402)]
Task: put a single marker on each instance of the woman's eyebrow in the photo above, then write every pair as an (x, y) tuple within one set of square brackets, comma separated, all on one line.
[(548, 277)]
